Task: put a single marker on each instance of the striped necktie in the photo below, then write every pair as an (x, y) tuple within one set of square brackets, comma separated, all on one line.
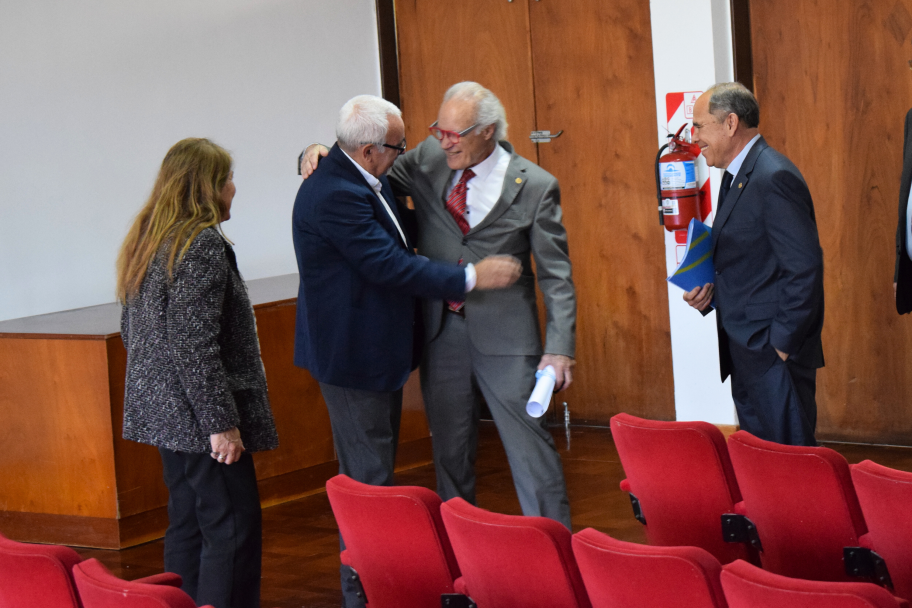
[(456, 205)]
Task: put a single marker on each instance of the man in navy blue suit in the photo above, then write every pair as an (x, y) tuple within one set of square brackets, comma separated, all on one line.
[(769, 271), (359, 284)]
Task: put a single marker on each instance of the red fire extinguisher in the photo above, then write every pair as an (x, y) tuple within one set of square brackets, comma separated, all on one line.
[(676, 182)]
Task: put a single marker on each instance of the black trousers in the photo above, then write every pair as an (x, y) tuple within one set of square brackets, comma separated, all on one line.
[(776, 404), (365, 427), (214, 539)]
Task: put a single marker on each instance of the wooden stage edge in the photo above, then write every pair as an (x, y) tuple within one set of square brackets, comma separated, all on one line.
[(104, 533)]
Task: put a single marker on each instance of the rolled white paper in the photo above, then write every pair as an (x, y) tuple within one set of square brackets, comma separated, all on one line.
[(541, 394)]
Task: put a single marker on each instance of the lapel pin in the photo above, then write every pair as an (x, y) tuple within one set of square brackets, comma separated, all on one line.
[(518, 180), (741, 184)]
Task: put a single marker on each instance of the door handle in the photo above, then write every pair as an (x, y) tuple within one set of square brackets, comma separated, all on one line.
[(543, 137)]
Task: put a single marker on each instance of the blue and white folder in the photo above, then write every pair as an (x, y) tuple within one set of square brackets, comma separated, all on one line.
[(696, 269)]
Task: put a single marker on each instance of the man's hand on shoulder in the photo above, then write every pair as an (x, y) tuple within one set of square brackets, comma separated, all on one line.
[(497, 272), (700, 297), (563, 369), (311, 159)]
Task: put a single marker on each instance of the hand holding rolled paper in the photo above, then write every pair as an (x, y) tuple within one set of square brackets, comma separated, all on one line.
[(541, 394)]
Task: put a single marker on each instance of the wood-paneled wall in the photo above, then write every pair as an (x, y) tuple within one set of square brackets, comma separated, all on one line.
[(68, 476), (833, 81), (584, 66)]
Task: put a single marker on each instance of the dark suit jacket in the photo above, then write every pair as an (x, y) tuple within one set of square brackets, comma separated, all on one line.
[(769, 265), (902, 274), (359, 282)]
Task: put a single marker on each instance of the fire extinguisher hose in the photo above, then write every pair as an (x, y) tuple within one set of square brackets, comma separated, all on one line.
[(659, 185)]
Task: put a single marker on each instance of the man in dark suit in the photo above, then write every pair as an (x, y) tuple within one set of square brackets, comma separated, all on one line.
[(769, 271), (359, 281), (902, 276), (474, 196)]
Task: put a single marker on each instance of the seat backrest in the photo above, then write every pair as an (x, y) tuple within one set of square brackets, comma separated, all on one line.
[(395, 540), (803, 504), (37, 576), (513, 560), (682, 475), (618, 574), (747, 586), (885, 495), (98, 588)]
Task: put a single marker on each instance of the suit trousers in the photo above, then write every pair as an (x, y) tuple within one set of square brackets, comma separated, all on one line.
[(777, 404), (214, 539), (365, 428), (452, 374)]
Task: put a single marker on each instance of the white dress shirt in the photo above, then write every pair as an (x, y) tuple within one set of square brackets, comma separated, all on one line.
[(735, 165), (909, 226), (485, 188)]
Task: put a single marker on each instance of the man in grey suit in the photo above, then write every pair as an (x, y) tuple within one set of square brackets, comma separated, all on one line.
[(475, 197)]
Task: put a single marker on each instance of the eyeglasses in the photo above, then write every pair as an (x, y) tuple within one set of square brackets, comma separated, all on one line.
[(399, 149), (453, 136)]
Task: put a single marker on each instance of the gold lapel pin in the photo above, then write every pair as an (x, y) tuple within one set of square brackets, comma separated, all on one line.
[(518, 180), (741, 184)]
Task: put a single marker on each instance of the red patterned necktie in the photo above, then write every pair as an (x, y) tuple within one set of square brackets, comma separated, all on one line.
[(456, 205)]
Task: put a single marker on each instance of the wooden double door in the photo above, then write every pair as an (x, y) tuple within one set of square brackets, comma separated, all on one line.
[(834, 87), (584, 67)]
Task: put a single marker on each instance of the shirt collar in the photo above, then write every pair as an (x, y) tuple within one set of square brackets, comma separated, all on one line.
[(483, 169), (372, 181), (735, 165)]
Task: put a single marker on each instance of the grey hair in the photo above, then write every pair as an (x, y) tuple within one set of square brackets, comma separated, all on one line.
[(364, 120), (734, 98), (488, 109)]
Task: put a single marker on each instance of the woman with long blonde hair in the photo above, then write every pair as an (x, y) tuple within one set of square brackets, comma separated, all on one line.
[(195, 385)]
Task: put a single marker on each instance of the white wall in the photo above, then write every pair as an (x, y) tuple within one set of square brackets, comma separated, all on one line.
[(93, 93), (692, 50)]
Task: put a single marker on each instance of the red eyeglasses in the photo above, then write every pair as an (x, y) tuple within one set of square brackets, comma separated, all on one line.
[(453, 136)]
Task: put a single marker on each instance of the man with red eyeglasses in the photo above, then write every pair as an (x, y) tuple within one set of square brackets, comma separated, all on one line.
[(475, 197)]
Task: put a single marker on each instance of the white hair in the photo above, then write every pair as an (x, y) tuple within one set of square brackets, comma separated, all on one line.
[(488, 109), (364, 120)]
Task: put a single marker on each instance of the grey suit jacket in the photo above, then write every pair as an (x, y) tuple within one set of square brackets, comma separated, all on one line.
[(193, 359), (525, 223)]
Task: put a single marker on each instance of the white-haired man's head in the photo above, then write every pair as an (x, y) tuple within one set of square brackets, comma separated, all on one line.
[(488, 109), (470, 122), (371, 131)]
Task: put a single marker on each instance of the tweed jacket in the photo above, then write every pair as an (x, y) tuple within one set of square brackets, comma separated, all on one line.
[(193, 359)]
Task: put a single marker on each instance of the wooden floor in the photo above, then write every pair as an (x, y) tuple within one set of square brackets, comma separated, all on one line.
[(300, 538)]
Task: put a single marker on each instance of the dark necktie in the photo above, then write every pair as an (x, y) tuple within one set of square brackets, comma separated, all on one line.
[(727, 179), (456, 205)]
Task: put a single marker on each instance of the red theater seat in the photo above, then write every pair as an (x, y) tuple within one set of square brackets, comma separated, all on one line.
[(619, 574), (37, 576), (803, 504), (747, 586), (885, 495), (98, 588), (395, 540), (511, 560), (681, 476)]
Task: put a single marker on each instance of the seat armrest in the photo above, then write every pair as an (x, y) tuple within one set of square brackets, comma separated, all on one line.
[(165, 578), (865, 541)]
